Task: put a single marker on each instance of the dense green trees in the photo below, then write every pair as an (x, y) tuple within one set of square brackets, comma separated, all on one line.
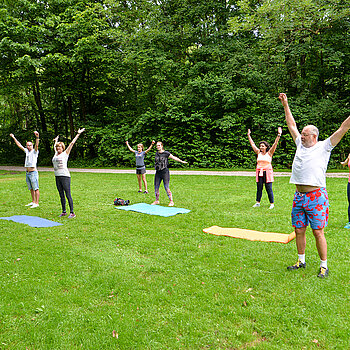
[(194, 74)]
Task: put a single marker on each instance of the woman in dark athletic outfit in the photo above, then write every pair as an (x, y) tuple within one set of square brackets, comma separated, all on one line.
[(162, 172)]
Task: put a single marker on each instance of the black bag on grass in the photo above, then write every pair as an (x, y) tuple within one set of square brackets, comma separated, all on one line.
[(119, 201)]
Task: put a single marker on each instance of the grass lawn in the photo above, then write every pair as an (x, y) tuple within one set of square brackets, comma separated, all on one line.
[(161, 283)]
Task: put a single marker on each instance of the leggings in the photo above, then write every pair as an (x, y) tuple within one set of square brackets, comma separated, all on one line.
[(348, 191), (165, 176), (63, 186), (268, 187)]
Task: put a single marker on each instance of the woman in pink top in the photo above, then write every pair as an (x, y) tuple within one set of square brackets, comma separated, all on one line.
[(264, 171), (347, 162)]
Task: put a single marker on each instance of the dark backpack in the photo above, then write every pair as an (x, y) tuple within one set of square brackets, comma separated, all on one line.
[(119, 201)]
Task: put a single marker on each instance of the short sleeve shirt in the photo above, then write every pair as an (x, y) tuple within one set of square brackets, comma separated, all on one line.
[(31, 158), (310, 163), (161, 160), (59, 162)]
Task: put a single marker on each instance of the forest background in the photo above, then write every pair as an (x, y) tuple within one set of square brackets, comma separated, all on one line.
[(194, 74)]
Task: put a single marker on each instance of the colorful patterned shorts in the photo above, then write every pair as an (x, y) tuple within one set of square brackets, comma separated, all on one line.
[(311, 207)]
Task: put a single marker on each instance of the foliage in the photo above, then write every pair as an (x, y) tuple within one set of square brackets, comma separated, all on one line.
[(193, 74)]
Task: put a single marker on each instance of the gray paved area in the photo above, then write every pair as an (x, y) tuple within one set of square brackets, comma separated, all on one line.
[(173, 171)]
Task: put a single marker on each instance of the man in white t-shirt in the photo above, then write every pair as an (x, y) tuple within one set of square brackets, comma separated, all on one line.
[(310, 204), (32, 176)]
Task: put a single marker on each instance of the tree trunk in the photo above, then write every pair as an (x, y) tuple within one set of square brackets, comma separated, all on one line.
[(37, 99), (82, 106), (322, 84), (70, 116)]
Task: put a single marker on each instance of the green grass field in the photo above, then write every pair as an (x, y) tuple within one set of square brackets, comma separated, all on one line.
[(161, 283)]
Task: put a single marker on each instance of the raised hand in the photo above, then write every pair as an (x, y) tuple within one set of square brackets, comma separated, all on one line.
[(283, 98)]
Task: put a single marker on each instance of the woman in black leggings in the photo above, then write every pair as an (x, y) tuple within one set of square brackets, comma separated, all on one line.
[(60, 160), (264, 171), (162, 172)]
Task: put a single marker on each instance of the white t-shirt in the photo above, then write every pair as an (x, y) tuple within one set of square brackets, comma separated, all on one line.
[(59, 162), (310, 163), (31, 158)]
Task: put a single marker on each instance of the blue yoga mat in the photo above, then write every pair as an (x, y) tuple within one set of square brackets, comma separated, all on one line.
[(155, 209), (33, 221)]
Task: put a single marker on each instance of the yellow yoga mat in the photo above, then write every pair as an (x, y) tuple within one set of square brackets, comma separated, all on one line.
[(250, 234)]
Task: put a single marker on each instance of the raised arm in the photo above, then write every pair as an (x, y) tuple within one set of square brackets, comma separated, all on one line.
[(292, 126), (36, 147), (255, 149), (274, 146), (55, 143), (131, 150), (17, 142), (69, 148), (338, 135), (346, 161), (177, 159), (149, 148)]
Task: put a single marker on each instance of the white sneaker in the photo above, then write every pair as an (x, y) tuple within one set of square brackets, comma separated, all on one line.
[(272, 206), (34, 206), (256, 205), (29, 204)]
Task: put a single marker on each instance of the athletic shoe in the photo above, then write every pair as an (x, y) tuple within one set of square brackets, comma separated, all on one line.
[(34, 205), (139, 191), (347, 225), (256, 205), (71, 216), (29, 204), (146, 192), (297, 266), (272, 206), (171, 204), (323, 272), (62, 214)]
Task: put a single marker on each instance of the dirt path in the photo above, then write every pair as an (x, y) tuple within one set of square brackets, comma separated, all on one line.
[(173, 172)]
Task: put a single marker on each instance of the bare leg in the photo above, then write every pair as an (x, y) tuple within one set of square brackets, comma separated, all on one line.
[(36, 196), (33, 195), (144, 181), (321, 243), (139, 181), (300, 239)]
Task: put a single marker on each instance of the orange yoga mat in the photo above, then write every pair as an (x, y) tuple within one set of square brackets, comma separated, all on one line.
[(250, 234)]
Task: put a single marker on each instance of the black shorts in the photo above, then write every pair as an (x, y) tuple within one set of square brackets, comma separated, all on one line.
[(140, 171)]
